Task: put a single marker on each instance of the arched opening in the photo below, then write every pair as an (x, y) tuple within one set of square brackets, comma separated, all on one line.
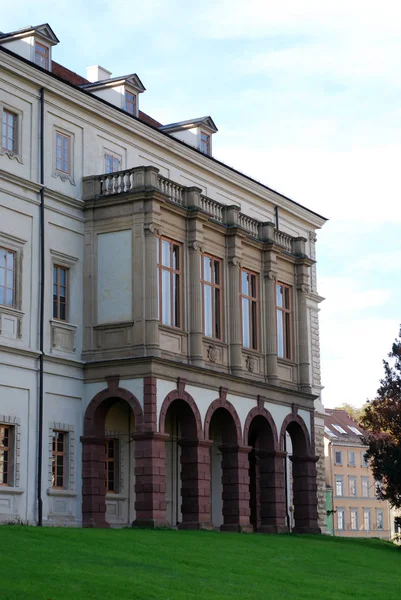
[(108, 460), (262, 472), (300, 471), (229, 485), (181, 461)]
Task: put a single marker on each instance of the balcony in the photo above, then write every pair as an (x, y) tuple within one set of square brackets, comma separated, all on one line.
[(119, 183)]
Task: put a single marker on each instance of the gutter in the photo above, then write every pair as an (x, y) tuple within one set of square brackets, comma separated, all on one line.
[(41, 304)]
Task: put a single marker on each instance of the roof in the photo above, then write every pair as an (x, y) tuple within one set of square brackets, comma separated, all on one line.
[(157, 126), (205, 121), (341, 428), (132, 79), (43, 29)]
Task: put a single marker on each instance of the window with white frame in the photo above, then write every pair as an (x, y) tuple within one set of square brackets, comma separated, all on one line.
[(41, 55), (7, 277), (339, 457), (340, 518), (130, 103), (364, 460), (366, 519), (339, 428), (63, 153), (352, 486), (339, 485), (351, 458), (379, 519), (205, 142), (365, 487), (9, 136), (112, 162), (354, 519)]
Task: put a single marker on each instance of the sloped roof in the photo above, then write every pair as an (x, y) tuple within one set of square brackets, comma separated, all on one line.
[(133, 79), (348, 427), (44, 29), (205, 121)]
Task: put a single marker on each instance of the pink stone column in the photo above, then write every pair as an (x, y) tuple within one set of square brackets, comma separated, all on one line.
[(150, 480), (93, 482), (195, 485), (236, 513), (305, 494)]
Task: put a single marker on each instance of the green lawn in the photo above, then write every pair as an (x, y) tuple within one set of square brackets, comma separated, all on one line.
[(58, 564)]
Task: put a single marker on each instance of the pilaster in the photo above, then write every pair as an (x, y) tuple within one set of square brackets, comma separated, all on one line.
[(195, 241), (234, 318)]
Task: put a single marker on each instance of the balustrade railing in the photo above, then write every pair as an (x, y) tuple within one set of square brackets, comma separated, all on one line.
[(116, 183), (173, 190), (283, 239), (249, 224), (212, 208)]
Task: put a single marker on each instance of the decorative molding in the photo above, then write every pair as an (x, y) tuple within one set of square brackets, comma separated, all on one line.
[(312, 236), (250, 363), (272, 275), (303, 288), (197, 247), (154, 229), (212, 353), (236, 262)]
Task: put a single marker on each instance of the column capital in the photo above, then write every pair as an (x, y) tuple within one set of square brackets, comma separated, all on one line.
[(196, 247), (271, 275), (228, 449), (93, 439), (153, 229), (304, 459), (195, 443), (150, 435), (235, 262)]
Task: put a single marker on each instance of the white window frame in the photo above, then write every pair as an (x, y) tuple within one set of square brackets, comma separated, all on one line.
[(352, 479), (339, 479), (55, 172), (379, 511), (335, 457), (367, 481), (114, 156), (341, 513), (17, 154), (124, 101), (354, 512), (15, 244), (351, 463), (367, 513), (15, 424)]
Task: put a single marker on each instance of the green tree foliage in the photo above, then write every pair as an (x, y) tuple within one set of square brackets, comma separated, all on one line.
[(354, 411), (382, 420)]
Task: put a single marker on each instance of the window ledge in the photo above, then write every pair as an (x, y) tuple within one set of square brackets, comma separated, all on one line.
[(114, 325), (11, 154), (286, 361), (4, 489), (61, 493), (111, 496)]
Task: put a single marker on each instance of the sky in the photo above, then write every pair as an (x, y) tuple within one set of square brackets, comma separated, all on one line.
[(307, 99)]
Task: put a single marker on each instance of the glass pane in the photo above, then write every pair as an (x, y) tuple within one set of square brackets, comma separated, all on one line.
[(2, 295), (63, 273), (176, 300), (166, 297), (3, 257), (216, 272), (176, 257), (10, 260), (10, 297), (254, 327), (287, 297), (279, 295), (208, 311), (165, 253), (207, 268), (2, 276), (63, 312), (244, 283), (280, 334), (217, 331), (245, 323), (253, 286), (287, 335)]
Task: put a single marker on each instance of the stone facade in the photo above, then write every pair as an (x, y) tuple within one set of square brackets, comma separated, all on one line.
[(161, 419)]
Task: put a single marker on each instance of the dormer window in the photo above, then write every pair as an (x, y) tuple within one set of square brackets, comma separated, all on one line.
[(205, 143), (130, 103), (41, 55)]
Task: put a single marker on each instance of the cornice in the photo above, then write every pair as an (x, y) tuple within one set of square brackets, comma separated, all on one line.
[(89, 102), (21, 182)]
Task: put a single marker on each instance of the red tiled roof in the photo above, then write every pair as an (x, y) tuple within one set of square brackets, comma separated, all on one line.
[(76, 79), (343, 419)]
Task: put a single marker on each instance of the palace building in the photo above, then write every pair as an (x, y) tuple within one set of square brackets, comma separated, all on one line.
[(159, 333)]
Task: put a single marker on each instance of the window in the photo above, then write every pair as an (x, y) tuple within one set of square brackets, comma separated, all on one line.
[(352, 486), (60, 289), (351, 458), (130, 103), (5, 454), (339, 428), (339, 485), (9, 137), (364, 461), (366, 519), (112, 465), (112, 163), (379, 519), (41, 55), (7, 277), (354, 430), (63, 153), (329, 432), (249, 309), (365, 487), (397, 525), (211, 296), (354, 518), (169, 281), (59, 459), (340, 518), (339, 457), (205, 143), (283, 315)]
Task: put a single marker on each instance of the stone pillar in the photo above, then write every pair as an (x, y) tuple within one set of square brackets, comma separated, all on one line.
[(270, 279), (236, 511), (195, 485), (195, 307), (150, 480), (93, 482), (151, 291), (305, 494), (272, 491), (235, 325), (303, 340), (321, 476)]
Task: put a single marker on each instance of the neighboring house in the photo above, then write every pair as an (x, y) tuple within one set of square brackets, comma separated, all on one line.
[(159, 334), (357, 511)]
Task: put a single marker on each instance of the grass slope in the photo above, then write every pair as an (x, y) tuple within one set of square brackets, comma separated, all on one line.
[(74, 564)]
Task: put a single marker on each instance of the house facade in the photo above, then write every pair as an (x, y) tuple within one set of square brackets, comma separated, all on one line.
[(159, 333), (355, 510)]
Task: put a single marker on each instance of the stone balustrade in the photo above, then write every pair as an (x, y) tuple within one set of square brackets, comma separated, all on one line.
[(129, 180)]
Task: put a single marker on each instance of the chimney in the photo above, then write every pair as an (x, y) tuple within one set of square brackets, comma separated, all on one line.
[(97, 73)]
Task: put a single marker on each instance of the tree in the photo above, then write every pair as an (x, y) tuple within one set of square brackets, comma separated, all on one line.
[(354, 411), (382, 420)]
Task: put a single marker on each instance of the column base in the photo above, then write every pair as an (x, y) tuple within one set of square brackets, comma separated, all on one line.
[(236, 528), (307, 530), (150, 524), (95, 524), (195, 525), (273, 529)]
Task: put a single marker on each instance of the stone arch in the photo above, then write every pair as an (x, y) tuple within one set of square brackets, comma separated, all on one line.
[(295, 418), (101, 404), (180, 395), (222, 403), (262, 412)]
